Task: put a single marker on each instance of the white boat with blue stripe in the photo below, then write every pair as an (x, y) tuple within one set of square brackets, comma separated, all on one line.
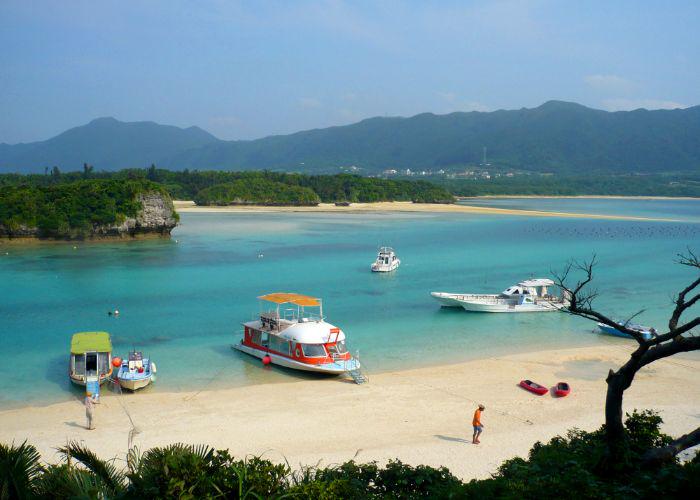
[(527, 296)]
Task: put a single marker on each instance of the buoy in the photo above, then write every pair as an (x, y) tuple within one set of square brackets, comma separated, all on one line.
[(267, 359), (116, 312), (116, 362)]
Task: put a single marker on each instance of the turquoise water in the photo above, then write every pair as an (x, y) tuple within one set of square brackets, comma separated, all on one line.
[(182, 300), (687, 210)]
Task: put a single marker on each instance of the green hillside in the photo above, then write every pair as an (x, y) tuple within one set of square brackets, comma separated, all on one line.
[(557, 137)]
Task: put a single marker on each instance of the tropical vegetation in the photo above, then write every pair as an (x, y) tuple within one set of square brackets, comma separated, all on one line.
[(564, 467), (69, 209), (269, 188)]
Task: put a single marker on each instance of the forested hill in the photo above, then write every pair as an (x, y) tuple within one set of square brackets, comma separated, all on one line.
[(556, 137), (106, 143)]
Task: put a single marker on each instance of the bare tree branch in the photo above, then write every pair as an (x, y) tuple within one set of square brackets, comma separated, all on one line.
[(668, 452)]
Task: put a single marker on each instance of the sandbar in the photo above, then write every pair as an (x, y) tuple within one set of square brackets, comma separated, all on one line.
[(399, 206)]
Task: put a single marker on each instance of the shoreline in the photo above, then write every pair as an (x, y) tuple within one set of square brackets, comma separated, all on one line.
[(578, 196), (419, 415), (183, 206)]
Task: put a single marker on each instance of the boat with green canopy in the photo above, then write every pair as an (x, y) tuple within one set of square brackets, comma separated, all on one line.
[(90, 358)]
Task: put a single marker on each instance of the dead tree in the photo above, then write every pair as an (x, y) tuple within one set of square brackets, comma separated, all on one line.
[(677, 339)]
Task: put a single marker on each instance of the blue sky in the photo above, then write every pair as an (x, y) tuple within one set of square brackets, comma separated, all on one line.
[(249, 69)]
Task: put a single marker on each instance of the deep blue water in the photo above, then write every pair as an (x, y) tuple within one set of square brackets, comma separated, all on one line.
[(182, 300)]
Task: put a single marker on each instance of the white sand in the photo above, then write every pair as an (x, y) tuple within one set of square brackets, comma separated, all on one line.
[(398, 206), (420, 416)]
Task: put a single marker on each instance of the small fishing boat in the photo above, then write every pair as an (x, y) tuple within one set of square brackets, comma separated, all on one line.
[(531, 386), (387, 261), (562, 389), (647, 332), (527, 296), (291, 331), (90, 362), (136, 372)]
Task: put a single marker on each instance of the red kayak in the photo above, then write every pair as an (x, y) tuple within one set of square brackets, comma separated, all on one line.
[(531, 386), (562, 389)]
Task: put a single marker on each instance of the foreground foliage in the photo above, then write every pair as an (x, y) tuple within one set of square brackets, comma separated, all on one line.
[(564, 467)]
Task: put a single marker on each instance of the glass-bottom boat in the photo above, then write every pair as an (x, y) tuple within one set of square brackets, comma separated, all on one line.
[(292, 332)]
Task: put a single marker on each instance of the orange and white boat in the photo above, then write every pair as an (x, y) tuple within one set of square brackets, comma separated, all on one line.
[(291, 331)]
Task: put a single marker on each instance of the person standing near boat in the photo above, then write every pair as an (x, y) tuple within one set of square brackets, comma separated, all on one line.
[(478, 426), (90, 411)]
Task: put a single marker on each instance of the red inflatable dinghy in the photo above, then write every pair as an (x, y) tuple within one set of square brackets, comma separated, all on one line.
[(562, 389), (531, 386)]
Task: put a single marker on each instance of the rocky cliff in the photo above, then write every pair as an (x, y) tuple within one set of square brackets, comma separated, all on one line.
[(155, 216)]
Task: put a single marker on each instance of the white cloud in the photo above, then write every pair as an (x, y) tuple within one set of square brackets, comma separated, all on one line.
[(609, 82), (457, 103), (309, 103), (630, 104)]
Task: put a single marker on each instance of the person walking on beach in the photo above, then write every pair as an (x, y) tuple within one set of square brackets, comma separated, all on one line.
[(90, 411), (478, 426)]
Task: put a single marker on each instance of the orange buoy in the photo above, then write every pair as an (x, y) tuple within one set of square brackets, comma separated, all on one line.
[(266, 359), (116, 362)]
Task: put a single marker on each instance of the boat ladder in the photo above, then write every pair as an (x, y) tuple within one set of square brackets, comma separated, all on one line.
[(92, 386), (356, 373)]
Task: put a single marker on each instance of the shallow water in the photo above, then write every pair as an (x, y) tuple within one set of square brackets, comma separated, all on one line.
[(182, 300), (681, 209)]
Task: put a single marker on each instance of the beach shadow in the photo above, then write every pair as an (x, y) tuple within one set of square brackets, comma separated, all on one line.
[(453, 439), (586, 369), (74, 424)]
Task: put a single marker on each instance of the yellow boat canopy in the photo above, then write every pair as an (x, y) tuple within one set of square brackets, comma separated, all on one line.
[(291, 298), (90, 341)]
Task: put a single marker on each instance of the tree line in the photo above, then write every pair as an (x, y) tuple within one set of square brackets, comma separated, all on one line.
[(252, 187)]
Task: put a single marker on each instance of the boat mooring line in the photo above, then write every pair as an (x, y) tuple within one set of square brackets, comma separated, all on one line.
[(189, 398), (459, 396)]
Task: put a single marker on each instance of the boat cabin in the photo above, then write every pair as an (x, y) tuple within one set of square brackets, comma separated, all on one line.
[(386, 256), (535, 288), (90, 357), (292, 326)]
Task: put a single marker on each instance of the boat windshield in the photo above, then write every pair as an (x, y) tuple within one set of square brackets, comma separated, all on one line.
[(314, 350), (338, 348)]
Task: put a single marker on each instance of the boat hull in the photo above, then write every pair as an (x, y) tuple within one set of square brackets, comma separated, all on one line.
[(646, 334), (135, 384), (503, 308), (446, 299), (81, 381), (385, 268), (337, 368)]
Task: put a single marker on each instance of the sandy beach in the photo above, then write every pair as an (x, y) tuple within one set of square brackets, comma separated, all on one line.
[(421, 416), (183, 206)]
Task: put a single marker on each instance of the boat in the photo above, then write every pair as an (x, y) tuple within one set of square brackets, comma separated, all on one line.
[(562, 389), (387, 261), (647, 332), (531, 386), (291, 331), (136, 372), (90, 360), (527, 296)]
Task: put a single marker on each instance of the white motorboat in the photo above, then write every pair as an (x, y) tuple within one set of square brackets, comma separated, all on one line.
[(136, 372), (527, 296), (386, 261)]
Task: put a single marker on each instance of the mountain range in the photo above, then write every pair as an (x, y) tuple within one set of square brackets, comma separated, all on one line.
[(559, 137)]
